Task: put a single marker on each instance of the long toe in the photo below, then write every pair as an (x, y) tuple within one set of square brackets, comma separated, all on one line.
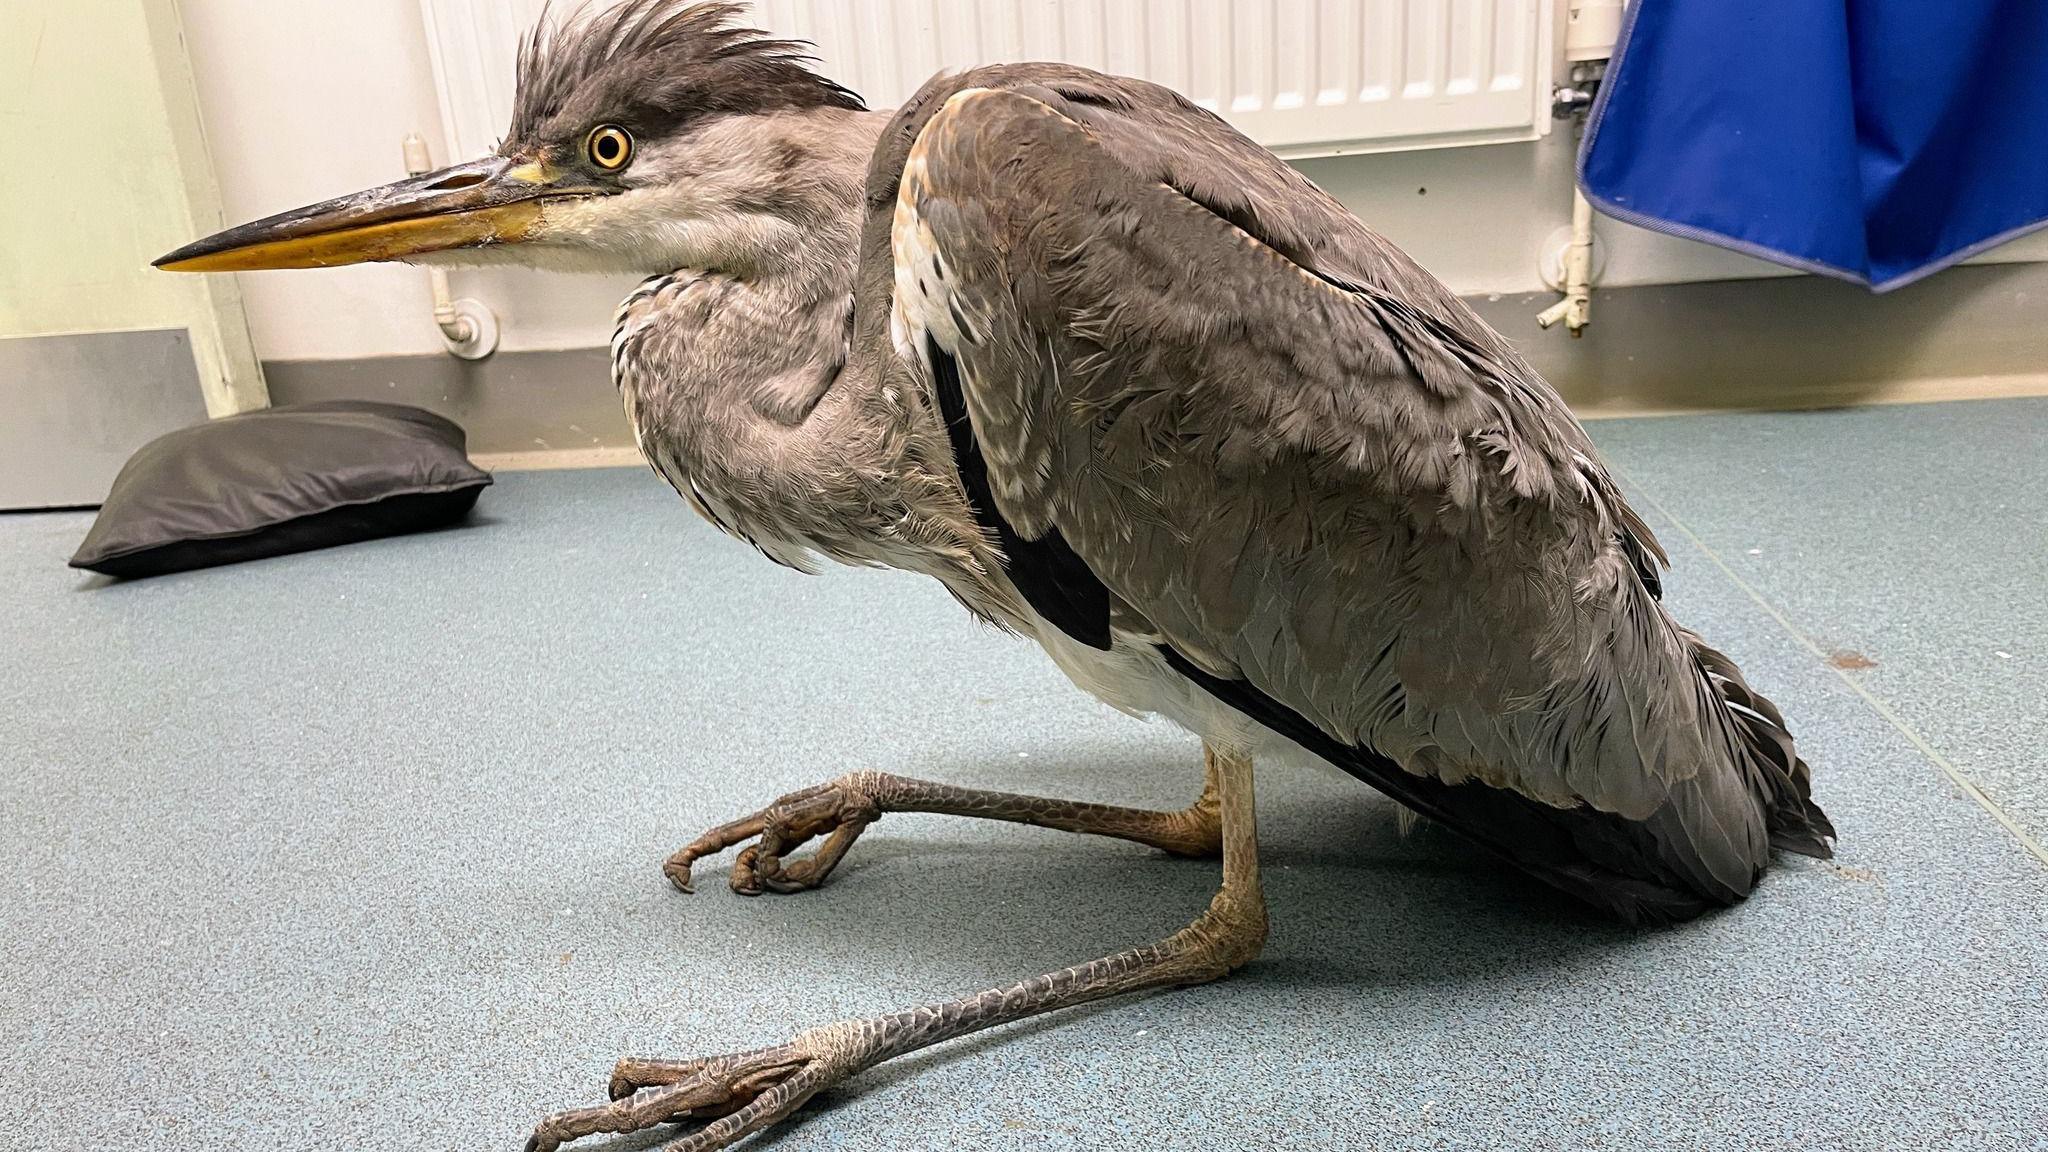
[(735, 1094), (836, 810)]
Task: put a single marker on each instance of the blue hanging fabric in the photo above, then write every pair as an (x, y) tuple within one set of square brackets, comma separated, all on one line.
[(1874, 140)]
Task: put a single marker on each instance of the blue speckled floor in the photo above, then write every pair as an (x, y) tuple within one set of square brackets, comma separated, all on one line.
[(359, 849)]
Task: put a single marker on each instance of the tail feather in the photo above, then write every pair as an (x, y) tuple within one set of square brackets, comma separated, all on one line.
[(1705, 847), (1780, 778)]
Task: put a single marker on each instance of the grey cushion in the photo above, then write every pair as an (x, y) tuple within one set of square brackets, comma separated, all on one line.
[(281, 480)]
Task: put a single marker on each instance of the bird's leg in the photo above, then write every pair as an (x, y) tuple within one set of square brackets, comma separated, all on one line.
[(744, 1092), (841, 809)]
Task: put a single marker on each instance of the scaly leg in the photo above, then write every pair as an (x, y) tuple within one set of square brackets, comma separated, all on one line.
[(744, 1092), (841, 810)]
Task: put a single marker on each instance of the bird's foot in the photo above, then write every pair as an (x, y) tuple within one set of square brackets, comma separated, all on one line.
[(838, 809), (737, 1094)]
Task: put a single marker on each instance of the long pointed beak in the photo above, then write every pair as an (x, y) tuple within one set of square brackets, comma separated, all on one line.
[(495, 200)]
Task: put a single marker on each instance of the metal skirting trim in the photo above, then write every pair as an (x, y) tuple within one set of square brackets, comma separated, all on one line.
[(79, 404)]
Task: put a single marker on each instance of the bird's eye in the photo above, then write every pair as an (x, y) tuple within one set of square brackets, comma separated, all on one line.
[(609, 147)]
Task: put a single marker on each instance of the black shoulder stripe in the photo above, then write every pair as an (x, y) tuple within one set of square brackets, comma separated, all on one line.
[(1056, 582)]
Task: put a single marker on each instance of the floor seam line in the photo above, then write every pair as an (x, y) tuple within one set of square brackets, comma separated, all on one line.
[(1884, 711)]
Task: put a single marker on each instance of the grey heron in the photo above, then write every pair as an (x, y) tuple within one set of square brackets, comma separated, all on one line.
[(1134, 389)]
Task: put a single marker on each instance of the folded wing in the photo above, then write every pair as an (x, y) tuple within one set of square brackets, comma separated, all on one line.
[(1197, 401)]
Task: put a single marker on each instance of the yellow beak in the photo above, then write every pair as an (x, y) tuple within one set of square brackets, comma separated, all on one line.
[(474, 205)]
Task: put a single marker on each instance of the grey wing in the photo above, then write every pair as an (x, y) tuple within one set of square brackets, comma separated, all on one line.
[(1330, 493)]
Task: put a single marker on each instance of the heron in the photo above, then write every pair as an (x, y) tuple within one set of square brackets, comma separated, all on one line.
[(1130, 387)]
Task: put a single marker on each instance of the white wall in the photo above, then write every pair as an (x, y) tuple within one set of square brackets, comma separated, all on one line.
[(309, 98), (108, 172)]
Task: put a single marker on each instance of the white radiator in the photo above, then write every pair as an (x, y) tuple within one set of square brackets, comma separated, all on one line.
[(1303, 77)]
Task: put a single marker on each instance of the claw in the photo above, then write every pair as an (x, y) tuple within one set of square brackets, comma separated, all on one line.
[(838, 810), (678, 873)]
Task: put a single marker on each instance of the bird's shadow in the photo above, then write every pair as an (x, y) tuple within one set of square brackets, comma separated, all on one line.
[(1355, 901)]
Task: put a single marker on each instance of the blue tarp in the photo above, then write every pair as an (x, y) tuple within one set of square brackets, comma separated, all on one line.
[(1874, 140)]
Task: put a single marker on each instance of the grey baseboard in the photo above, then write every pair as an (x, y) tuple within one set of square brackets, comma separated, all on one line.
[(1794, 342), (1797, 342), (514, 402)]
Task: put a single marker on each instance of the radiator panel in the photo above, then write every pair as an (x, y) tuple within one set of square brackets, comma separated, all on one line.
[(1303, 77)]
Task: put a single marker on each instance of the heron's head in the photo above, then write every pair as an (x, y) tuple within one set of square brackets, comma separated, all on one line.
[(650, 136)]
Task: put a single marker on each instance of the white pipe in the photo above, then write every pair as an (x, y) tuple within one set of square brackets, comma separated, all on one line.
[(1576, 309), (469, 329), (417, 163)]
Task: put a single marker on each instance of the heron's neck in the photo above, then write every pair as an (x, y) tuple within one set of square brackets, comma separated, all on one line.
[(735, 373), (787, 257), (784, 205)]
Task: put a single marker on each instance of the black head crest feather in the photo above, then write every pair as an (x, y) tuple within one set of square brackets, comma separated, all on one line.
[(651, 65)]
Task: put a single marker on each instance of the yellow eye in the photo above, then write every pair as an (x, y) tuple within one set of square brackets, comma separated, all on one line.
[(609, 147)]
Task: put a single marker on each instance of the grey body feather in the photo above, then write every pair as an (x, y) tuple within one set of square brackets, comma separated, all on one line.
[(1291, 457)]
